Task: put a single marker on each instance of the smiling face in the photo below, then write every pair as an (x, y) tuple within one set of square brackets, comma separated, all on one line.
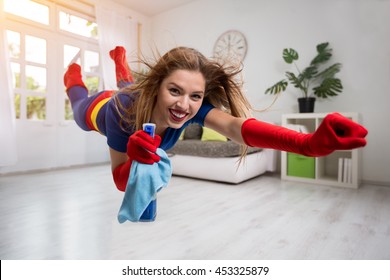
[(179, 99)]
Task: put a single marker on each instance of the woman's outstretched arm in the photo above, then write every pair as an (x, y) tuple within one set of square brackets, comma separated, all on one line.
[(336, 132)]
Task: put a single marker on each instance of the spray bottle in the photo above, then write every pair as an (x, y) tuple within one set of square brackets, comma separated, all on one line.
[(149, 215)]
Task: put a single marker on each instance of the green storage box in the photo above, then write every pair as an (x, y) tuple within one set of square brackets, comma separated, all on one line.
[(300, 166)]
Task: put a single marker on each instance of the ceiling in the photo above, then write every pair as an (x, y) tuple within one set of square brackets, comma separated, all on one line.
[(152, 7)]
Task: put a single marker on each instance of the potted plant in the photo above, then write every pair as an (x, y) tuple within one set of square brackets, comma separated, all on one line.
[(315, 80)]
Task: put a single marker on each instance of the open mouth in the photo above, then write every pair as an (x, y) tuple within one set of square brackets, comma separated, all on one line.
[(177, 116)]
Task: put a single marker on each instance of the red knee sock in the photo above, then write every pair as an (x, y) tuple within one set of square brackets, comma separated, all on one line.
[(73, 77), (122, 69)]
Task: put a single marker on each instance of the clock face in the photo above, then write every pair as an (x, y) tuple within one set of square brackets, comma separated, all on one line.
[(230, 46)]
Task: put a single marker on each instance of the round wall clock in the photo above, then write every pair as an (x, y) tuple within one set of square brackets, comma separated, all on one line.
[(231, 45)]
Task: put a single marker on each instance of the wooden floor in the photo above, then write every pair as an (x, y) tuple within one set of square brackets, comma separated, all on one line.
[(72, 214)]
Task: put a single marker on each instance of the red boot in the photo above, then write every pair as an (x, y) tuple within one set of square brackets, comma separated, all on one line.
[(122, 69), (73, 77)]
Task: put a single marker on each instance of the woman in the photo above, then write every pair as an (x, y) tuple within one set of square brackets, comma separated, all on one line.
[(183, 86)]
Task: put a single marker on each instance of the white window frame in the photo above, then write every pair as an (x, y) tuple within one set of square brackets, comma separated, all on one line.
[(55, 39)]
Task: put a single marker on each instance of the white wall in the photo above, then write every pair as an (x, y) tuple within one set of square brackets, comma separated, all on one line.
[(358, 30)]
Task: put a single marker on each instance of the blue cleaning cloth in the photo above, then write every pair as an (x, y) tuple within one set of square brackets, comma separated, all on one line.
[(144, 182)]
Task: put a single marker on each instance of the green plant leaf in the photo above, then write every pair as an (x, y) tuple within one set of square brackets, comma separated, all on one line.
[(322, 47), (308, 73), (329, 87), (289, 55), (329, 72), (297, 82), (323, 54), (277, 88)]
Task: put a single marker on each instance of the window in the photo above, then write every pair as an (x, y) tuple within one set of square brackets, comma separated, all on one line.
[(31, 10), (35, 49), (29, 75), (77, 25), (32, 37), (91, 76)]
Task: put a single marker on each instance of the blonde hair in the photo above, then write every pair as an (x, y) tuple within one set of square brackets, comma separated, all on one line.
[(223, 87)]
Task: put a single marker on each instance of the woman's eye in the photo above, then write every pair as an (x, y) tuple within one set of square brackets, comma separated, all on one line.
[(174, 91), (197, 97)]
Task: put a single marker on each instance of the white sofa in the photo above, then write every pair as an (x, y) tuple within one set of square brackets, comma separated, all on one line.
[(217, 161)]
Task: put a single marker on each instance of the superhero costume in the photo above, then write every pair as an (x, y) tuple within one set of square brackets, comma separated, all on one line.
[(99, 113)]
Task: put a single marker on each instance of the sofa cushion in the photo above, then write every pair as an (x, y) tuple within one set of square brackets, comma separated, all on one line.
[(215, 149), (209, 134), (193, 131)]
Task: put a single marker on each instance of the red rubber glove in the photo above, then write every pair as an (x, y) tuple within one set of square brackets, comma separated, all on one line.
[(73, 77), (141, 147), (336, 132)]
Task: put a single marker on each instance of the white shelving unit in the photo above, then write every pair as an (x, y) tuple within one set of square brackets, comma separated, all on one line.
[(327, 169)]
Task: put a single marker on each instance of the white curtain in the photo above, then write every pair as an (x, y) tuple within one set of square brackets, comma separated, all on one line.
[(8, 152), (115, 30)]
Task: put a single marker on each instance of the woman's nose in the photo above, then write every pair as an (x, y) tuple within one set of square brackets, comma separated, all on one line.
[(183, 102)]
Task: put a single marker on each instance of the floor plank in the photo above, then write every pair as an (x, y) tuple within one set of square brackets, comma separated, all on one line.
[(72, 214)]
